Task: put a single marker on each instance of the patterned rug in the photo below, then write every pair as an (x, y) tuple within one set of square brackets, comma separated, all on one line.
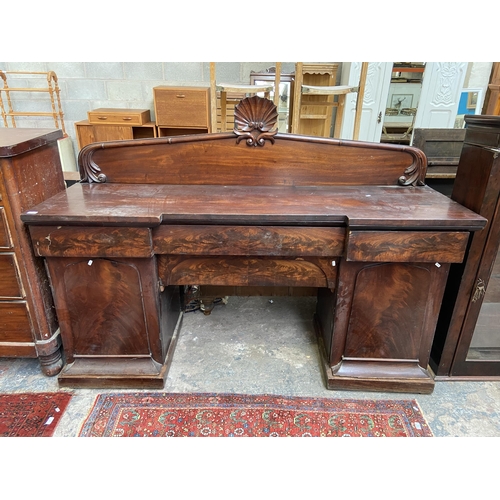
[(31, 414), (228, 415)]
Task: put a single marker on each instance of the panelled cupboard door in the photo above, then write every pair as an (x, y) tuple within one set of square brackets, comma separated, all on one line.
[(441, 90)]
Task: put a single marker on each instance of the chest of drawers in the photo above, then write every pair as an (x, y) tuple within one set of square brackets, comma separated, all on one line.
[(30, 172)]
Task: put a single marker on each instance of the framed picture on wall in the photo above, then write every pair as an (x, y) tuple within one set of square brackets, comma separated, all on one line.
[(400, 101), (472, 100)]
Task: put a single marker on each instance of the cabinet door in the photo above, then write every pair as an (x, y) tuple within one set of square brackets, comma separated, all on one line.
[(478, 351), (485, 343), (383, 343), (87, 134)]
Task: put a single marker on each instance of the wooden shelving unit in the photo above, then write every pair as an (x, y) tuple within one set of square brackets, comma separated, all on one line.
[(52, 89)]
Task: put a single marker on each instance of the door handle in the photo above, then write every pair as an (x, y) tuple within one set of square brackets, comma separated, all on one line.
[(379, 118)]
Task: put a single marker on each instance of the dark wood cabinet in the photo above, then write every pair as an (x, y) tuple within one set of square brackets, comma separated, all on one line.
[(467, 340), (30, 172), (252, 207)]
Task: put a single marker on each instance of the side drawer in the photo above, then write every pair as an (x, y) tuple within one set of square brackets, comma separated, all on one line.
[(249, 240), (76, 241), (406, 246), (15, 325), (9, 279), (5, 239), (113, 116), (182, 106)]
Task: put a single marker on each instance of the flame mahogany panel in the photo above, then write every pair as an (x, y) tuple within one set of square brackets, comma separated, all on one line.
[(245, 271), (57, 241), (249, 240), (406, 246), (290, 161)]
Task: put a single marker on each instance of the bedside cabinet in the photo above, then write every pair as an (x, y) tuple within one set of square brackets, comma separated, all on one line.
[(30, 172), (182, 110), (114, 124)]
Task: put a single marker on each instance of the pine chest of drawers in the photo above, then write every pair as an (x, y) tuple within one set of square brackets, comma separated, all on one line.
[(30, 172)]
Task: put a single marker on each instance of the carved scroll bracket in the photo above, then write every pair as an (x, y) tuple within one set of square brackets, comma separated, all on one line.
[(91, 171), (254, 119), (414, 175)]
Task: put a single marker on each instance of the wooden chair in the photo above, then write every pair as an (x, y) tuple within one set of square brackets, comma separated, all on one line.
[(238, 92), (442, 147), (315, 96)]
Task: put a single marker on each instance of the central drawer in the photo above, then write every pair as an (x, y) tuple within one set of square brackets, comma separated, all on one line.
[(249, 240)]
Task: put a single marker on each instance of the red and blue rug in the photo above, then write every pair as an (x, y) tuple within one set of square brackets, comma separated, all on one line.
[(147, 414), (31, 414)]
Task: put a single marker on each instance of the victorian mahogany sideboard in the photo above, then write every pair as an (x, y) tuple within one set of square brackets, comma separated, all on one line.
[(30, 172), (251, 207)]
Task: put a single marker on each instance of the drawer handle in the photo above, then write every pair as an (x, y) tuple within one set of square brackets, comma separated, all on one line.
[(180, 96), (102, 117), (127, 118)]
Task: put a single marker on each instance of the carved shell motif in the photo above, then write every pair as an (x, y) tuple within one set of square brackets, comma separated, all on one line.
[(254, 119)]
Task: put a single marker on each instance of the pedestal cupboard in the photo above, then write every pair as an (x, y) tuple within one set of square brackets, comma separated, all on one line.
[(30, 172)]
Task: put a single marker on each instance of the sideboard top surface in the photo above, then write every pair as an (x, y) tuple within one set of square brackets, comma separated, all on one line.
[(151, 205)]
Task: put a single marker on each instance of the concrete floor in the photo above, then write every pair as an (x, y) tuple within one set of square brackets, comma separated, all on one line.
[(267, 345)]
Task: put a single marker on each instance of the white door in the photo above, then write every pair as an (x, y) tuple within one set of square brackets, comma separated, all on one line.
[(441, 89), (378, 80)]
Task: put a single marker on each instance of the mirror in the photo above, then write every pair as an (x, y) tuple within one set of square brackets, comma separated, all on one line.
[(471, 101), (402, 102), (285, 101)]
